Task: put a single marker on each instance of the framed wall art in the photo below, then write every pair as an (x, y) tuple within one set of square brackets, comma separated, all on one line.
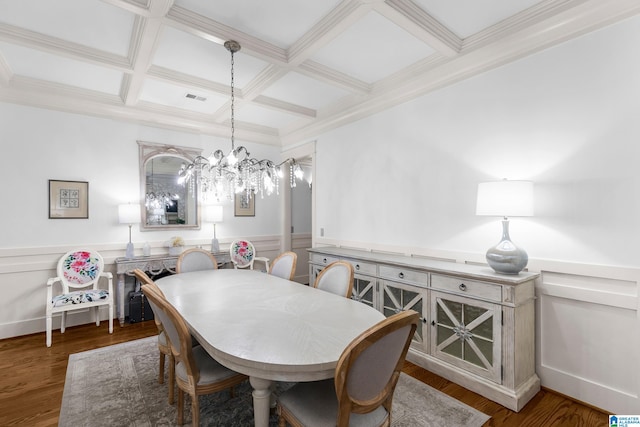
[(68, 199), (245, 205)]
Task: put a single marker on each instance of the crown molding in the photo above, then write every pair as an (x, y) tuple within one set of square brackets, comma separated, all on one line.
[(332, 25), (65, 48), (416, 21), (426, 77), (276, 104), (216, 32), (333, 77)]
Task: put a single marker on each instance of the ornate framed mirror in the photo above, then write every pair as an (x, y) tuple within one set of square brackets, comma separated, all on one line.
[(166, 204)]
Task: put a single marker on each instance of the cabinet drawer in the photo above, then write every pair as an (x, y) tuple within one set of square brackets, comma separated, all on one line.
[(322, 259), (468, 287), (362, 267), (404, 275)]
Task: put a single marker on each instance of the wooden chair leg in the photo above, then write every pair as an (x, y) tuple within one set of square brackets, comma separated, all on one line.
[(172, 379), (180, 406), (195, 411), (161, 369)]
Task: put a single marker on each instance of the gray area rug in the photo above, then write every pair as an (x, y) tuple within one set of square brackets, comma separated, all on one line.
[(118, 386)]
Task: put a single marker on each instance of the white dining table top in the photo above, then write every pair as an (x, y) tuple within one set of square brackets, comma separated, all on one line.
[(265, 326)]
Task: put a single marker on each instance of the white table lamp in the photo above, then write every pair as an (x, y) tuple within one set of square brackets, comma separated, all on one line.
[(506, 198), (213, 213), (129, 214)]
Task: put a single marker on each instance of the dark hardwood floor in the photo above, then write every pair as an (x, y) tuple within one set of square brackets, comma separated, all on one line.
[(33, 380)]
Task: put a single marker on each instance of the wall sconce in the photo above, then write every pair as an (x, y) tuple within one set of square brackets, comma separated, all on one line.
[(129, 214), (506, 198), (213, 213)]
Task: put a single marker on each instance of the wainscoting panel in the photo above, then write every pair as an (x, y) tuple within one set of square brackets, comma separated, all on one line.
[(24, 273), (299, 244), (589, 337)]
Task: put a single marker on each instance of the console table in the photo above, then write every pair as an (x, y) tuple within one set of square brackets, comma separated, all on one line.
[(478, 327), (154, 264)]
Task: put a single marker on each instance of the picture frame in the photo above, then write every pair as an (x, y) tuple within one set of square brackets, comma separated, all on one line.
[(245, 205), (68, 199)]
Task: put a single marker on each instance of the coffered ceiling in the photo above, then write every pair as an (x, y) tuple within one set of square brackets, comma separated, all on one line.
[(305, 67)]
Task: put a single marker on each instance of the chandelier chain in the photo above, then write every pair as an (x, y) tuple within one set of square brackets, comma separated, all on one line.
[(233, 127)]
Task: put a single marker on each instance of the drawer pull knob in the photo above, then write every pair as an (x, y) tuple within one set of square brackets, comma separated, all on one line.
[(324, 260), (357, 266), (462, 287), (401, 275)]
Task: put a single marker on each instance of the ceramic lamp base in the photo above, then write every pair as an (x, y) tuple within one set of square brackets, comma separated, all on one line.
[(129, 253), (505, 257)]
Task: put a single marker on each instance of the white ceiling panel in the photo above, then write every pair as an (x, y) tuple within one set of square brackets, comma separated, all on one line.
[(251, 113), (372, 48), (305, 67), (305, 91), (58, 69), (279, 22), (87, 22), (467, 17), (198, 57), (172, 95)]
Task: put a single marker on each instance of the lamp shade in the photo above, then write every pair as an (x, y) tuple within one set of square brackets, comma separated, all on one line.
[(129, 213), (505, 198), (212, 213)]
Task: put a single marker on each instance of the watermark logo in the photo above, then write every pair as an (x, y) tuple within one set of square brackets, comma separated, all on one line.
[(624, 420)]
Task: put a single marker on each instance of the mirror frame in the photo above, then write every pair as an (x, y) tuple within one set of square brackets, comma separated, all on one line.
[(148, 151)]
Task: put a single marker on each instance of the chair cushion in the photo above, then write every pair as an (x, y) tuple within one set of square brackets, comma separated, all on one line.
[(242, 252), (315, 404), (80, 267), (80, 297), (210, 370)]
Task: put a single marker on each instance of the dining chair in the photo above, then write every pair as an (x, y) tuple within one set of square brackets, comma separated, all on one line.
[(336, 278), (163, 342), (196, 372), (196, 259), (243, 255), (284, 265), (361, 392), (79, 273)]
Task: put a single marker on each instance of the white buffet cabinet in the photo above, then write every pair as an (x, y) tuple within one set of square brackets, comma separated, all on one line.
[(478, 327)]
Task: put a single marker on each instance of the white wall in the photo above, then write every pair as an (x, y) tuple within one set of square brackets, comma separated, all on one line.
[(37, 145), (405, 181), (566, 118)]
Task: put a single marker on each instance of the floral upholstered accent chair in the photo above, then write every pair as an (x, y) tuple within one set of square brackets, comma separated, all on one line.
[(243, 255), (78, 274)]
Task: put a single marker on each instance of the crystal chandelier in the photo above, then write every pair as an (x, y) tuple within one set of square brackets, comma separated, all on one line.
[(221, 176)]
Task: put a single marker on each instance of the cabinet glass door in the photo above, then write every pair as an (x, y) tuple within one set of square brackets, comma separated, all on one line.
[(467, 333), (397, 297), (364, 290)]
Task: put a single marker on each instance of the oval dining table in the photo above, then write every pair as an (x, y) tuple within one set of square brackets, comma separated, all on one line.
[(266, 327)]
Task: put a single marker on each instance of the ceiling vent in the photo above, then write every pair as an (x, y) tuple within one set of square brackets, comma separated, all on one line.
[(195, 97)]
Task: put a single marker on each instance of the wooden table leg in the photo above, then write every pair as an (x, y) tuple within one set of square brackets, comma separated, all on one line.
[(261, 400)]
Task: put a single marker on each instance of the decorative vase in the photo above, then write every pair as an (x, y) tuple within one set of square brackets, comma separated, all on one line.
[(175, 250)]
